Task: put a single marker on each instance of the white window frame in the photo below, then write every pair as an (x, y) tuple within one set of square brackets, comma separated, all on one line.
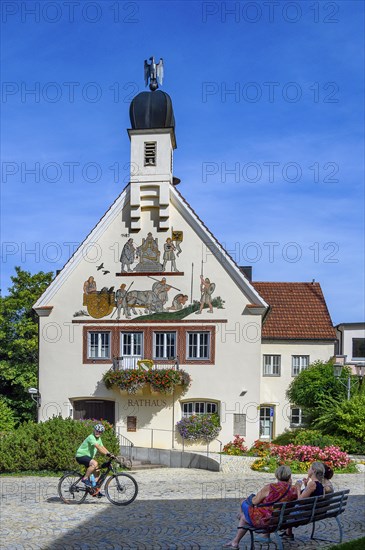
[(266, 422), (303, 364), (298, 414), (198, 345), (99, 346), (130, 360), (165, 355), (271, 365), (196, 408)]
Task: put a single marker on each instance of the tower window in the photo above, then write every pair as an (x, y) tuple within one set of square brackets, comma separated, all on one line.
[(150, 148)]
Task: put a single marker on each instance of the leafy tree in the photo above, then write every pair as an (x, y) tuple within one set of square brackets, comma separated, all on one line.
[(19, 341), (315, 384)]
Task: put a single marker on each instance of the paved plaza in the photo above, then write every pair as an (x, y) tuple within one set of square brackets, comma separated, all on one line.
[(175, 509)]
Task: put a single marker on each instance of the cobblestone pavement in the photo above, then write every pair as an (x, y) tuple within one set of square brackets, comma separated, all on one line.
[(175, 509)]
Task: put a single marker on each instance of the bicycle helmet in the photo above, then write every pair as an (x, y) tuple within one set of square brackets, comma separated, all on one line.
[(99, 428)]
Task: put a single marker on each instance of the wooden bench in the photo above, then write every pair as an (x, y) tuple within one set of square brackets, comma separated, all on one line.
[(302, 512)]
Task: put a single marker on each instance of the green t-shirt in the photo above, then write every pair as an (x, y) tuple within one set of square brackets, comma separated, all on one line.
[(87, 447)]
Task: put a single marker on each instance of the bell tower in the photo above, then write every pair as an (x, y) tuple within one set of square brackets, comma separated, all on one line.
[(152, 136)]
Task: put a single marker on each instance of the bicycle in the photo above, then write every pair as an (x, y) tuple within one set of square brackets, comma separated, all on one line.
[(120, 489)]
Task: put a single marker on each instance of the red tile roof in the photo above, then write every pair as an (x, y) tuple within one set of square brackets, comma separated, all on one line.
[(297, 311)]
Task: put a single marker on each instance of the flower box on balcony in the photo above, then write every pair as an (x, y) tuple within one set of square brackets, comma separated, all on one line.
[(158, 381)]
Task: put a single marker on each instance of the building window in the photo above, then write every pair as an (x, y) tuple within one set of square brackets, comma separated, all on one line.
[(131, 348), (150, 153), (239, 424), (98, 345), (299, 363), (266, 422), (164, 345), (272, 365), (296, 417), (198, 344), (358, 348), (199, 407)]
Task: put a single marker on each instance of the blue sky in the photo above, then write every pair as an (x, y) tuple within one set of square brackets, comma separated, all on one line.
[(268, 101)]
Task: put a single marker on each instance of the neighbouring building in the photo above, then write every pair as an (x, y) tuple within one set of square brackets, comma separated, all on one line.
[(351, 343), (150, 281)]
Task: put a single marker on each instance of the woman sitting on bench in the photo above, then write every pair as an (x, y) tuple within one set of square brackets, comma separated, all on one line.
[(255, 513), (313, 487)]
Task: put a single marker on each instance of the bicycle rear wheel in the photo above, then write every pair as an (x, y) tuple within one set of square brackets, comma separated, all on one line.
[(121, 489), (70, 488)]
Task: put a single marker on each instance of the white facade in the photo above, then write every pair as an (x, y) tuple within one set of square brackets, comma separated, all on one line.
[(293, 356), (82, 328)]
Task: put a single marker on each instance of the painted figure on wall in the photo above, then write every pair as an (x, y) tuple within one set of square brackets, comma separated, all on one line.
[(178, 302), (90, 286), (177, 237), (149, 255), (99, 304), (128, 255), (120, 300), (206, 288), (160, 288), (169, 255)]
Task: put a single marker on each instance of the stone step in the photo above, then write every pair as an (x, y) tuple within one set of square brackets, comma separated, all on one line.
[(145, 465)]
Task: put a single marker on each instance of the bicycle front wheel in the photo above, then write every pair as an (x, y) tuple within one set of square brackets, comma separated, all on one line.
[(70, 488), (121, 489)]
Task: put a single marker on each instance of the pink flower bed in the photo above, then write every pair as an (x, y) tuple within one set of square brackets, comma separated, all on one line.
[(304, 453)]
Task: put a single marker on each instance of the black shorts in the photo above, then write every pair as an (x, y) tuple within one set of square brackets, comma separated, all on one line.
[(84, 460)]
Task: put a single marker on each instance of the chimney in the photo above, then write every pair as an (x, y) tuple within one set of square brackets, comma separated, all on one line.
[(247, 271)]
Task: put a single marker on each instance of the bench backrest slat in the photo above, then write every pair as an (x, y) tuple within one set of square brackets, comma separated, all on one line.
[(301, 512)]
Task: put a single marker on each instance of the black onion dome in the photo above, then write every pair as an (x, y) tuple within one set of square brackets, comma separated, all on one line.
[(152, 110)]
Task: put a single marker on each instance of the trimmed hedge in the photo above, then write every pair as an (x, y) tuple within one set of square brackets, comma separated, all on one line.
[(49, 445)]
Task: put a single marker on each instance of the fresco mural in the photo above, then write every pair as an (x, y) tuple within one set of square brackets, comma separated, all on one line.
[(127, 256), (206, 288), (157, 301), (98, 303), (148, 255), (169, 255)]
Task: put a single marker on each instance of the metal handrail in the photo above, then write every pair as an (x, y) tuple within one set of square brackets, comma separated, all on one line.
[(125, 442)]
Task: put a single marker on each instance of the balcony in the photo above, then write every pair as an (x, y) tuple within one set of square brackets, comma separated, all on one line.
[(131, 363), (139, 375)]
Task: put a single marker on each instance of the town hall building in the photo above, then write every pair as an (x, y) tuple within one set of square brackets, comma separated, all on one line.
[(164, 296)]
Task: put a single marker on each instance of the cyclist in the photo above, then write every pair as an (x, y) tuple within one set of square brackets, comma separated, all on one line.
[(88, 449)]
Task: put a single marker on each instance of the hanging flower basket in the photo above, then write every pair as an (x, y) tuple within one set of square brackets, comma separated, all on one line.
[(201, 427)]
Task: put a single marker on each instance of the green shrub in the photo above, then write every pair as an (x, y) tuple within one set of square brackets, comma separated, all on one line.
[(287, 437), (7, 419), (49, 445), (343, 418), (314, 438)]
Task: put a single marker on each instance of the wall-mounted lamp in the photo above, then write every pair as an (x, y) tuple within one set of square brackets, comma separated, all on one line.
[(243, 393), (35, 395)]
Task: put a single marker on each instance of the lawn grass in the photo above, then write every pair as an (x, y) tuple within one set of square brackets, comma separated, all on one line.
[(357, 544)]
